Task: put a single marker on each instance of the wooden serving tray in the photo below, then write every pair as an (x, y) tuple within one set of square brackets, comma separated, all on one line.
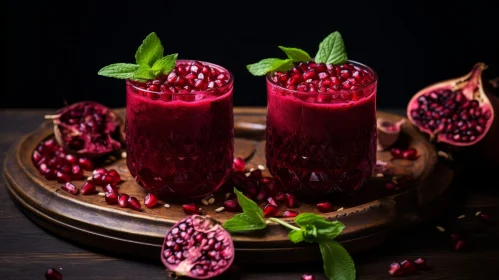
[(88, 220)]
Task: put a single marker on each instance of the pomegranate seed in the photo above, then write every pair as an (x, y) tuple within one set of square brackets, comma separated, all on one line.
[(232, 206), (86, 164), (62, 177), (123, 200), (36, 157), (396, 153), (51, 144), (71, 158), (262, 194), (190, 209), (270, 210), (270, 200), (70, 188), (395, 269), (50, 174), (291, 201), (108, 179), (410, 154), (133, 203), (484, 217), (421, 264), (325, 207), (88, 188), (455, 237), (460, 245), (43, 167), (280, 197), (115, 175), (54, 162), (238, 164), (76, 172), (150, 200), (408, 267), (100, 171), (110, 188), (307, 277), (238, 178), (255, 174), (66, 169), (390, 186), (250, 189), (289, 214), (111, 198), (53, 274)]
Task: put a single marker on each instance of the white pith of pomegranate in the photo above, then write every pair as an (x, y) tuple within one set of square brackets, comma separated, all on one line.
[(197, 247), (87, 128), (187, 77), (457, 111), (344, 81)]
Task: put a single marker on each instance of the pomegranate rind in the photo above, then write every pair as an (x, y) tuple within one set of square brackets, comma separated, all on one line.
[(472, 88), (112, 134), (180, 269)]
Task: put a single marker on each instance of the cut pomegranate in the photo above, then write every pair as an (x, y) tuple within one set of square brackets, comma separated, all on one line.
[(291, 200), (459, 112), (88, 188), (150, 200), (123, 200), (190, 209), (238, 164), (421, 263), (395, 269), (197, 247), (70, 188), (111, 198), (270, 210), (408, 267), (53, 274), (87, 128), (325, 207), (307, 277), (289, 214), (133, 203), (232, 205)]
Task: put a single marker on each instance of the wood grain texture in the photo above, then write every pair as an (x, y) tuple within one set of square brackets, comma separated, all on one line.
[(26, 251)]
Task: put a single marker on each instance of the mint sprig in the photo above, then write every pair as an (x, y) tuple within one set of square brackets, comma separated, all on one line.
[(150, 62), (331, 51), (310, 228)]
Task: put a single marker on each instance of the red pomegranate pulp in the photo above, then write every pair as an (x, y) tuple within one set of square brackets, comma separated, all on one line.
[(180, 145), (323, 144)]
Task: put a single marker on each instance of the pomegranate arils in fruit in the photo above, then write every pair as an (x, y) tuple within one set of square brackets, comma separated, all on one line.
[(123, 200), (395, 269), (270, 210), (421, 263), (36, 157), (190, 209), (70, 188), (53, 274), (197, 247), (238, 164), (87, 128), (408, 267), (232, 205), (150, 200), (307, 277), (88, 188), (111, 198), (291, 201), (325, 207), (289, 214), (133, 203)]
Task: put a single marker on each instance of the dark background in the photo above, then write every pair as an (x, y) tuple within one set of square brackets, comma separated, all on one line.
[(54, 49)]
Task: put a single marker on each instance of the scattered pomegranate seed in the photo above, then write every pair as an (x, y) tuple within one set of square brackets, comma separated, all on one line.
[(232, 205), (396, 153), (410, 154), (76, 172), (460, 246), (190, 209), (108, 179), (262, 194), (421, 264), (133, 203), (110, 188), (70, 188), (270, 200), (71, 159), (255, 174), (111, 198), (53, 274), (291, 201), (395, 269), (289, 214), (307, 277), (101, 171), (86, 164), (115, 175), (238, 164), (270, 210), (88, 188), (408, 267), (325, 207), (455, 237), (390, 186), (280, 197), (484, 217), (62, 177), (150, 200), (250, 189), (238, 178), (123, 200)]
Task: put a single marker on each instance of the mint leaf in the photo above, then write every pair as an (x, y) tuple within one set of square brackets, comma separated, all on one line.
[(307, 219), (296, 55), (338, 264), (252, 217), (296, 236), (150, 50), (321, 227), (166, 64), (119, 70), (332, 50), (144, 73), (268, 65)]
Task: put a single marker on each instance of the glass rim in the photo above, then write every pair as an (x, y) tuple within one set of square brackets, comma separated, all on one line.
[(373, 81), (223, 89)]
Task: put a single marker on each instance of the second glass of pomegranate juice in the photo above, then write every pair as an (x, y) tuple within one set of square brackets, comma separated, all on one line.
[(180, 130), (321, 128)]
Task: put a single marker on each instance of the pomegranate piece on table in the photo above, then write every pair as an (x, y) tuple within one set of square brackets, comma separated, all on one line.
[(197, 247), (123, 200), (53, 274), (70, 188), (88, 188), (396, 269), (150, 200), (232, 205), (238, 164), (325, 207), (190, 209), (134, 203)]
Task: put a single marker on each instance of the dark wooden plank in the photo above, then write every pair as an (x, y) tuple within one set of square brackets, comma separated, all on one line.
[(26, 251)]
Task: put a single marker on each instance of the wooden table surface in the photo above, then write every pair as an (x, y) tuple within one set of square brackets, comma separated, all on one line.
[(27, 251)]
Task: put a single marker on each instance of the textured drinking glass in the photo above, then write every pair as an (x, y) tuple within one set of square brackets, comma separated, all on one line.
[(180, 145), (320, 145)]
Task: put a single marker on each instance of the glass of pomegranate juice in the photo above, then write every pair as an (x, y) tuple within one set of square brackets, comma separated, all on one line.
[(180, 130), (321, 128)]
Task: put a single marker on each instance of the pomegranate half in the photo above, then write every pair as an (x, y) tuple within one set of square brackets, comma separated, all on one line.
[(197, 247), (459, 112)]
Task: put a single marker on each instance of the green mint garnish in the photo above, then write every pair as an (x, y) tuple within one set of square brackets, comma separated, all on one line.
[(295, 54), (311, 228), (150, 62), (252, 217), (332, 50)]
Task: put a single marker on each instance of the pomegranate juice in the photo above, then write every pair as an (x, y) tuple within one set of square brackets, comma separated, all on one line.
[(321, 128), (180, 130)]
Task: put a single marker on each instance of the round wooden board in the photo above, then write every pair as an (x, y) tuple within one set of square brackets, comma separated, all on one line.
[(90, 221)]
